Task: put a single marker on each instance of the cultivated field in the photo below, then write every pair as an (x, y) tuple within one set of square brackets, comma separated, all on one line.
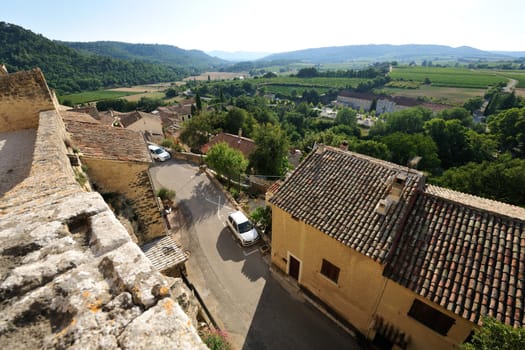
[(450, 77), (91, 96), (446, 95)]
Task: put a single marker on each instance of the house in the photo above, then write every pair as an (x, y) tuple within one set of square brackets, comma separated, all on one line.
[(243, 144), (409, 265), (117, 162), (356, 100), (146, 123)]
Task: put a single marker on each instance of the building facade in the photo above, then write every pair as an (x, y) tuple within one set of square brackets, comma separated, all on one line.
[(410, 266)]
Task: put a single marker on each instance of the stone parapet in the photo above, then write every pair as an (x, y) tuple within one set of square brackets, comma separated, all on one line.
[(22, 96), (70, 276)]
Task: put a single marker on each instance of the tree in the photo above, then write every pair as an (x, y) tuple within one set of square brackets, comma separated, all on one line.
[(170, 93), (403, 147), (346, 116), (458, 113), (270, 155), (509, 129), (196, 131), (198, 103), (473, 104), (496, 335), (226, 161), (451, 139), (234, 120), (500, 180), (408, 121)]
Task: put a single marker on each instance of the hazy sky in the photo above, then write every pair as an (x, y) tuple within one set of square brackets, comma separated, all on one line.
[(276, 25)]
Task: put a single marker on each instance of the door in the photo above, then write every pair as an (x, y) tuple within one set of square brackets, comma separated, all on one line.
[(294, 267)]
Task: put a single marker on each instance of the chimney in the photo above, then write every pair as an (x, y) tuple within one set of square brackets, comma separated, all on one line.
[(344, 145), (3, 70), (240, 135), (398, 184), (382, 206)]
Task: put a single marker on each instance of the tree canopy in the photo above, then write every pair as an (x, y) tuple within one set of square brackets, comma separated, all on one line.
[(496, 335), (270, 156), (226, 161)]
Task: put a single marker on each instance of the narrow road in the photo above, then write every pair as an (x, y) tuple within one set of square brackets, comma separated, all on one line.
[(235, 282)]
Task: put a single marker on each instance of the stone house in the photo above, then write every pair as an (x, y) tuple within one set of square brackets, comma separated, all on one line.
[(117, 161), (356, 100), (409, 265)]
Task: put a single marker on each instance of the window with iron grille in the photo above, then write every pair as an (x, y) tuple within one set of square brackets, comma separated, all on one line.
[(430, 317), (330, 271)]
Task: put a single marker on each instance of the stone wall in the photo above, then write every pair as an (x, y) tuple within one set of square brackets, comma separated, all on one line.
[(130, 179), (22, 96), (70, 276)]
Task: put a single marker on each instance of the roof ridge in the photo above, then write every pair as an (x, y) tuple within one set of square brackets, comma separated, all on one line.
[(477, 202), (377, 161)]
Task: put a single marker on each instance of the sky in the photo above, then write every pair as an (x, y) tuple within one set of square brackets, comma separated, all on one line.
[(276, 25)]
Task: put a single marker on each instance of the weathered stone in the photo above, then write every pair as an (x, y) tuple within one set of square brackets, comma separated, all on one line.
[(80, 205), (102, 240), (128, 269), (32, 275), (70, 276), (163, 326)]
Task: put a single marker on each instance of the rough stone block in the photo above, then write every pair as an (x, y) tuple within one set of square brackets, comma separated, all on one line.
[(128, 269), (164, 326), (106, 233)]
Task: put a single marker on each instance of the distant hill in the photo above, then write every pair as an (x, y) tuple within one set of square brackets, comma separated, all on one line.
[(515, 54), (68, 70), (238, 56), (153, 53), (377, 53)]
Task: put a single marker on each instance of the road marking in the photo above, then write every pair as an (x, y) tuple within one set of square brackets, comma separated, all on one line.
[(250, 253)]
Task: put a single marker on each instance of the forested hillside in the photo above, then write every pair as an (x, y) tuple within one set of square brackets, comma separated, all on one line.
[(68, 70), (378, 53), (154, 53)]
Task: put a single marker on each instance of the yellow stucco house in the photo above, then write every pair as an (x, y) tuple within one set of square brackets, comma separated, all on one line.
[(409, 265)]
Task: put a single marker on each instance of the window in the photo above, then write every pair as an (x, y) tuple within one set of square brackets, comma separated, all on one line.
[(431, 317), (330, 270)]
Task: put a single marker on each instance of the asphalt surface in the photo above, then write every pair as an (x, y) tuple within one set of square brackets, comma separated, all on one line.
[(235, 282)]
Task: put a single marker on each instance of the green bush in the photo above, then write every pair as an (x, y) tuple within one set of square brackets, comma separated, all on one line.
[(165, 194)]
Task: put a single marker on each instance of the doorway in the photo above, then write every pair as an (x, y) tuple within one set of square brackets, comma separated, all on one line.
[(294, 266)]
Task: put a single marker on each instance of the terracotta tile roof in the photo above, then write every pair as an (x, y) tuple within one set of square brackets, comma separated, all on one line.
[(465, 255), (501, 208), (164, 253), (337, 192), (243, 144), (460, 251), (106, 142), (78, 117)]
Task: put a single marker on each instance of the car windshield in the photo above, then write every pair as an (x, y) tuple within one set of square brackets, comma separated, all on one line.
[(158, 151), (245, 226)]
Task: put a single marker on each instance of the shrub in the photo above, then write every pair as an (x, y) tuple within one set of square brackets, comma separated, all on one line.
[(165, 195), (216, 340)]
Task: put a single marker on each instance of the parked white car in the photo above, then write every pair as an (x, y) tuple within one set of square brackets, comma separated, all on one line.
[(242, 228), (158, 153)]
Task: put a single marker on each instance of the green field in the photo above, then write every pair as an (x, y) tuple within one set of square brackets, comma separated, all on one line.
[(518, 75), (329, 83), (91, 96), (449, 77)]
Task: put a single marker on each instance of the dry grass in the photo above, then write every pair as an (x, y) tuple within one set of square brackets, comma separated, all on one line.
[(217, 76), (446, 95)]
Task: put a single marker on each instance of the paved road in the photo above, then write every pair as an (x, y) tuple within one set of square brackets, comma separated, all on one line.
[(235, 282)]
